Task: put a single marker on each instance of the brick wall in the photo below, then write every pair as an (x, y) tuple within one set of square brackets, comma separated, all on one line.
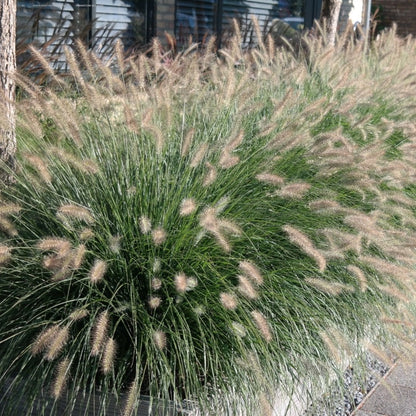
[(403, 12), (165, 17)]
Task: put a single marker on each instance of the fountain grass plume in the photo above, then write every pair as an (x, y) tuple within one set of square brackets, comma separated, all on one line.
[(191, 228)]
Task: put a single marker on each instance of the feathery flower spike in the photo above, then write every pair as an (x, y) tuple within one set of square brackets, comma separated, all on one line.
[(99, 333), (97, 271), (77, 212), (262, 325), (108, 357), (61, 377)]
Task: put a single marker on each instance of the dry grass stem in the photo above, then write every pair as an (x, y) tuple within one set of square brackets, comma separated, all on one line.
[(395, 292), (228, 300), (270, 178), (159, 236), (359, 274), (99, 333), (154, 302), (77, 212), (181, 282), (187, 141), (131, 399), (199, 155), (44, 339), (385, 267), (61, 377), (251, 271), (383, 356), (86, 234), (97, 271), (145, 225), (58, 245), (5, 254), (78, 256), (331, 347), (57, 344), (365, 224), (293, 190), (159, 338), (330, 288), (210, 176), (305, 244), (108, 357), (262, 325), (156, 283), (227, 160), (246, 288), (188, 206), (79, 314), (40, 166), (8, 227)]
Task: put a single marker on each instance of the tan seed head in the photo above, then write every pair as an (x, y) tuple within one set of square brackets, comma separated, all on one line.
[(159, 236), (99, 333), (97, 271), (188, 206), (61, 377), (108, 357), (159, 338), (228, 300)]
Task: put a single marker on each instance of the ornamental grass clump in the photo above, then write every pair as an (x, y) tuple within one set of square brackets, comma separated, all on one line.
[(201, 231)]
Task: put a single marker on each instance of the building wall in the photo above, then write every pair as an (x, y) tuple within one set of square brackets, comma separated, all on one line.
[(403, 12), (101, 22), (114, 19), (165, 17), (351, 11), (40, 23)]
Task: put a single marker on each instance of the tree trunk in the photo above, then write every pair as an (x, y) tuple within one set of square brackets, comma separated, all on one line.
[(7, 88), (329, 18)]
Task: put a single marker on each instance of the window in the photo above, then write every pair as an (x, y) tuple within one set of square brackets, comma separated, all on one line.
[(96, 22), (39, 21), (201, 18), (195, 19)]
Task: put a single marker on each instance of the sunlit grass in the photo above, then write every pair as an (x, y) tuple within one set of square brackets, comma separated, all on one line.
[(201, 230)]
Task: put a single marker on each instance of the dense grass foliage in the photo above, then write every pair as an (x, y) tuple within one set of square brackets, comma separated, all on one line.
[(209, 228)]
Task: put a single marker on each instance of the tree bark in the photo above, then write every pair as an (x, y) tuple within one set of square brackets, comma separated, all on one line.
[(7, 88), (329, 18)]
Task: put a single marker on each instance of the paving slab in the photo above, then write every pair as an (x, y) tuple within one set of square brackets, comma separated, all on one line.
[(394, 395), (403, 374), (392, 401)]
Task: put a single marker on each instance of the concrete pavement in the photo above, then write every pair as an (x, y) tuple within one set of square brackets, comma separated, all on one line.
[(394, 395)]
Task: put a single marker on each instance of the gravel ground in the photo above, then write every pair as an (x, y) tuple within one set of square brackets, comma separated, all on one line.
[(343, 404)]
